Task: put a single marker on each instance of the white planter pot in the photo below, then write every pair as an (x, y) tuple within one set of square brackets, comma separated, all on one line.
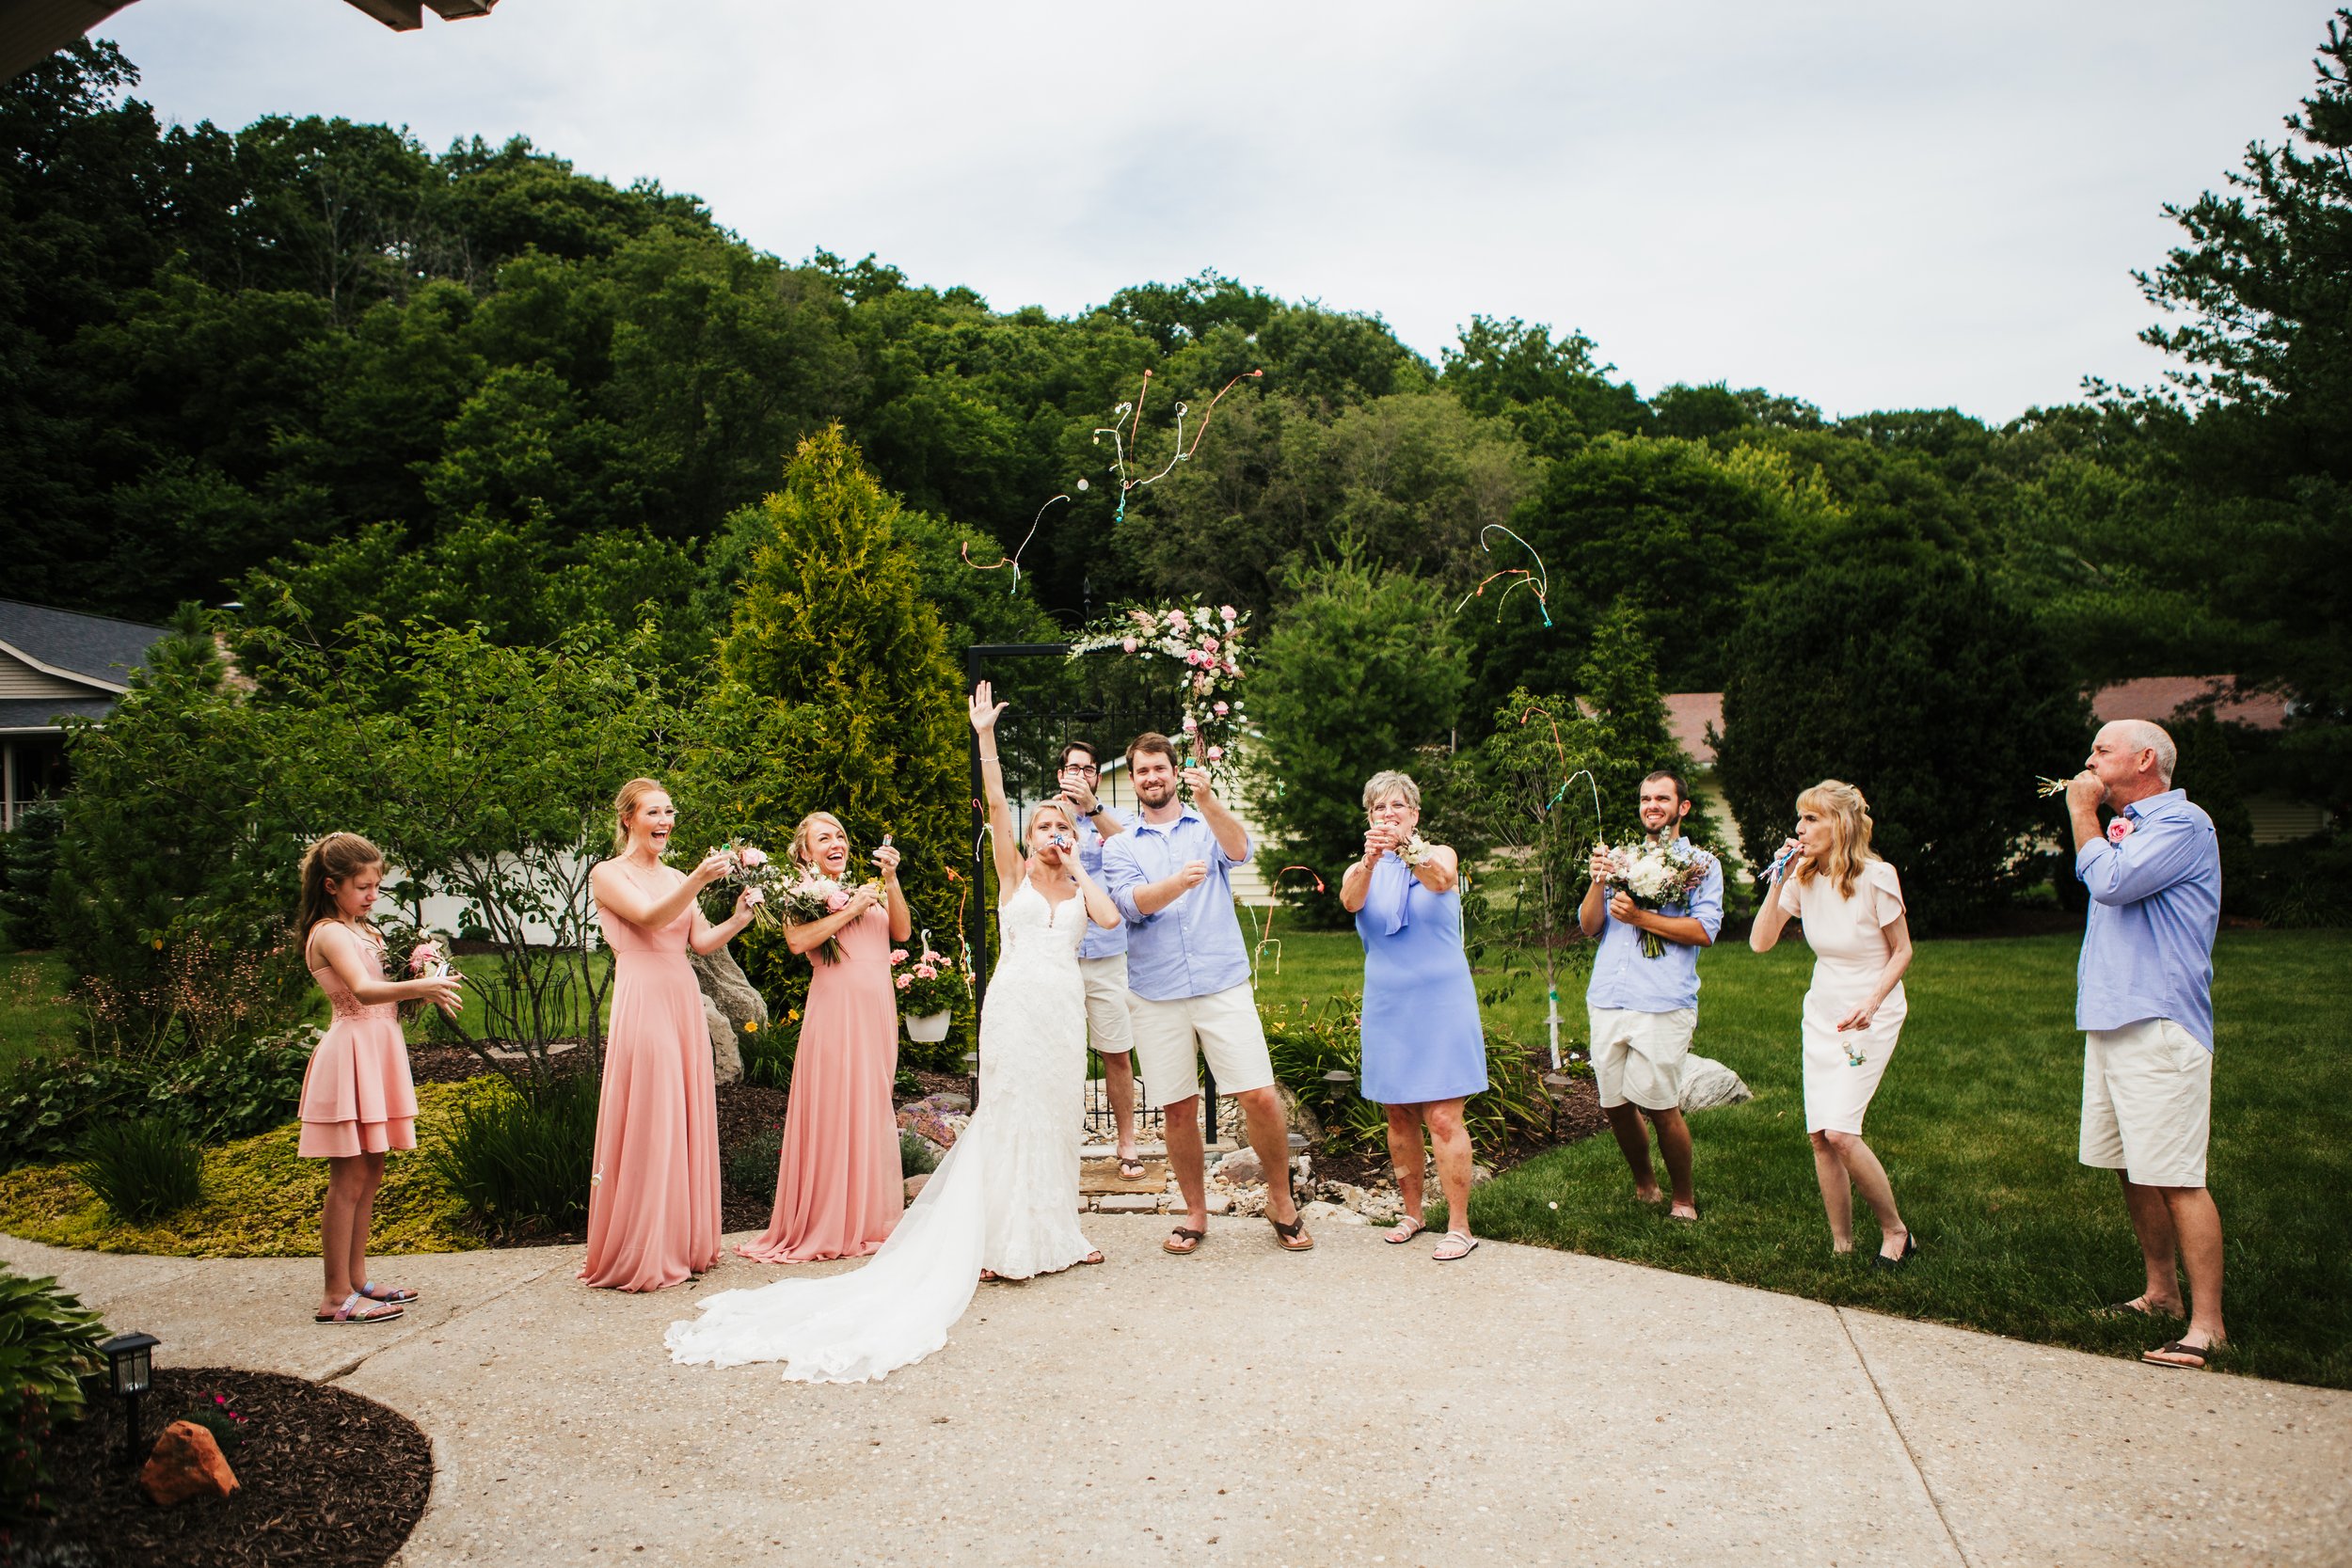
[(929, 1029)]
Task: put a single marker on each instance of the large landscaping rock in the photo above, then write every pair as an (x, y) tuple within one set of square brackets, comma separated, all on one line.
[(186, 1463), (937, 1117), (1707, 1084), (729, 1002)]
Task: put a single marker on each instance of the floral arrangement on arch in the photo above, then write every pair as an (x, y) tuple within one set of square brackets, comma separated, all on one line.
[(1210, 643), (929, 983)]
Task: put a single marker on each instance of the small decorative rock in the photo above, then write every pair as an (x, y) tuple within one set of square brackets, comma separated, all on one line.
[(937, 1117), (1707, 1084), (1481, 1175), (915, 1185), (1241, 1166), (186, 1463), (1219, 1203), (1318, 1214)]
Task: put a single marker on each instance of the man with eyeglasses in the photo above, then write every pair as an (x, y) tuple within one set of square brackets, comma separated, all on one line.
[(1102, 957)]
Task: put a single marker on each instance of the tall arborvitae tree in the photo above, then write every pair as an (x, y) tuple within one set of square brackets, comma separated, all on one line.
[(834, 694)]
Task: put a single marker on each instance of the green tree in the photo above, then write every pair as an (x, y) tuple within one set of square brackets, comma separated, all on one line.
[(1893, 665), (1362, 674), (28, 862), (834, 693)]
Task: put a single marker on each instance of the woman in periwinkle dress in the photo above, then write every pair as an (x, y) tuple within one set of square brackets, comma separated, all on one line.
[(1424, 1047)]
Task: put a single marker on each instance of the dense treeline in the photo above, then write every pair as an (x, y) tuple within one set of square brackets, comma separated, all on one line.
[(313, 368)]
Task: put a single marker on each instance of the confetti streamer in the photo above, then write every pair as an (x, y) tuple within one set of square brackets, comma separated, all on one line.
[(1126, 442), (1267, 941), (1585, 773), (1537, 581), (1013, 560)]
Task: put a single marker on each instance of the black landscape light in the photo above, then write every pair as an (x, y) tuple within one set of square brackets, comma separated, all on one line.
[(130, 1371)]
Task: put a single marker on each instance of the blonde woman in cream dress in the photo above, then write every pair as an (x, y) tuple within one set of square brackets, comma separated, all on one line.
[(1851, 904)]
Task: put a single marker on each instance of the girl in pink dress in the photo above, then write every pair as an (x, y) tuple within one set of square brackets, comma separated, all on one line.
[(357, 1102), (839, 1189), (652, 1192)]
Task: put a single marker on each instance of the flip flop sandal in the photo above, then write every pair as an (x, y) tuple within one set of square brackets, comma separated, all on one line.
[(390, 1294), (1405, 1230), (1455, 1246), (2206, 1356), (1292, 1237), (350, 1311), (1130, 1170), (1191, 1240), (2138, 1306)]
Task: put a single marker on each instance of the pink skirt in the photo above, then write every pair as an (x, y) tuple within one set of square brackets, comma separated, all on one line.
[(357, 1095)]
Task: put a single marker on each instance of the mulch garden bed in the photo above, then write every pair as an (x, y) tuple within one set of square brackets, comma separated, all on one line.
[(1579, 1117), (323, 1477)]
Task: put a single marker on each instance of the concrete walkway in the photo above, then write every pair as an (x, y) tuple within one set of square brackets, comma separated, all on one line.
[(1354, 1405)]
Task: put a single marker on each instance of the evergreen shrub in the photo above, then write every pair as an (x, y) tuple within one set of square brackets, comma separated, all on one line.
[(142, 1169), (521, 1160), (28, 860)]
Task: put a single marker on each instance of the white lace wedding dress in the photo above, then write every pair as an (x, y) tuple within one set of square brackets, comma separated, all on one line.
[(1005, 1198)]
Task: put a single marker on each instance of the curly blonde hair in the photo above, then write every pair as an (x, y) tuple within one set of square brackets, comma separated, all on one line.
[(802, 855), (1841, 805)]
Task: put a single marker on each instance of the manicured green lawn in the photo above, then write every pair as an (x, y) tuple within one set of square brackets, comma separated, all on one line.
[(34, 1018), (1977, 1124)]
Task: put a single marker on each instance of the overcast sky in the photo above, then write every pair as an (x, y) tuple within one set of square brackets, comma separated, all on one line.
[(1867, 205)]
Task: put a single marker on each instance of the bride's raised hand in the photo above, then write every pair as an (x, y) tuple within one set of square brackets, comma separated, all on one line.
[(985, 707)]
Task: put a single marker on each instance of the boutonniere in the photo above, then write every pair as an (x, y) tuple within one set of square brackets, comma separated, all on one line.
[(2118, 827), (1413, 851)]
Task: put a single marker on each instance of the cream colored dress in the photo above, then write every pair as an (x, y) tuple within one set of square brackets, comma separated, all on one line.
[(1848, 934)]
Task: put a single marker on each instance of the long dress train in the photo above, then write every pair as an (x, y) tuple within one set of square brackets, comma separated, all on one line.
[(1005, 1198)]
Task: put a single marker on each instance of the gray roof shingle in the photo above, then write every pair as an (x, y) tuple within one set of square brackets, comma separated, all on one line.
[(92, 645)]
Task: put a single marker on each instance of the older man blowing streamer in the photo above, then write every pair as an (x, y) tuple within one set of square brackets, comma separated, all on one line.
[(2144, 1000)]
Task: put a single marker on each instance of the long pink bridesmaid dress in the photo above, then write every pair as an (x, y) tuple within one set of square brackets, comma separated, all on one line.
[(653, 1196), (839, 1188), (357, 1095)]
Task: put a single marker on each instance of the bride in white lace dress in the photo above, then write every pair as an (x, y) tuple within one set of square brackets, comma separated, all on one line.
[(1004, 1203)]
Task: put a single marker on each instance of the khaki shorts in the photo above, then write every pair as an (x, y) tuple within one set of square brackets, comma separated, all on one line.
[(2147, 1102), (1108, 1028), (1223, 1027), (1638, 1057)]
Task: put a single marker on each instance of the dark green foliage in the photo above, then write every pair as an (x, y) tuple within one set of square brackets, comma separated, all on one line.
[(1894, 666), (917, 1157), (752, 1164), (46, 1107), (2207, 769), (28, 857), (48, 1343), (1307, 1042), (1362, 674), (214, 1415), (521, 1162), (834, 694), (236, 1089), (142, 1169), (768, 1054), (2306, 882)]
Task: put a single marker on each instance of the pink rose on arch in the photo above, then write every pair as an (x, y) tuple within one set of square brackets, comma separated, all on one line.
[(836, 901), (905, 980), (897, 955), (1215, 753), (2118, 828), (1178, 618), (1191, 723), (1220, 710), (1195, 657), (1231, 668), (1128, 644), (1208, 644), (1229, 613)]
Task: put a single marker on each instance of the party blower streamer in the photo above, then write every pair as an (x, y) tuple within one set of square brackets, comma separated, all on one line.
[(1537, 581)]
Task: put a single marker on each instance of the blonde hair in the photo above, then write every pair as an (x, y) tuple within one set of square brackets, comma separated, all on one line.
[(625, 807), (798, 848), (1841, 805), (1390, 782), (1055, 805), (338, 857)]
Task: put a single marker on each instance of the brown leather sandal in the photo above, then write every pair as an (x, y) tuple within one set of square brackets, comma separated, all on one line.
[(1189, 1239), (1293, 1236)]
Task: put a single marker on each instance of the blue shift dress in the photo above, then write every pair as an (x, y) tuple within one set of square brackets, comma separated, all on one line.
[(1422, 1041)]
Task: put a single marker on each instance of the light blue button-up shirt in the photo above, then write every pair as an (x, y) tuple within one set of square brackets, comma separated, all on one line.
[(1194, 946), (1623, 978), (1100, 942), (2156, 900)]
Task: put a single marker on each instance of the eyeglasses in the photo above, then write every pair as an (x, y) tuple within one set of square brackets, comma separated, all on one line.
[(1081, 767)]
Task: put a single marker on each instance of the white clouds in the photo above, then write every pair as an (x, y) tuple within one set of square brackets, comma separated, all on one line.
[(1867, 205)]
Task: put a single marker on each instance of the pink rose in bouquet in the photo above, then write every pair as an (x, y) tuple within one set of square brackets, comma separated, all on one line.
[(751, 857), (837, 900)]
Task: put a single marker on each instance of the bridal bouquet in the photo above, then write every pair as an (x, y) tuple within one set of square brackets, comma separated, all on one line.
[(930, 984), (1655, 875), (814, 898), (754, 869)]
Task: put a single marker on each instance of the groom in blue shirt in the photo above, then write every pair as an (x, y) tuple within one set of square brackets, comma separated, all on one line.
[(1188, 976)]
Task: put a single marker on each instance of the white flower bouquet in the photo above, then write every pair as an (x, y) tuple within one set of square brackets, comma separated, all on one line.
[(1654, 875)]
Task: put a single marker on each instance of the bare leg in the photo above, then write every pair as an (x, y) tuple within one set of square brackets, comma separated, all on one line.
[(1182, 1124), (1634, 1138), (1451, 1139), (1673, 1143), (1269, 1134), (347, 1182), (2198, 1223), (1119, 1088), (1405, 1153), (2151, 1222), (363, 1219), (1869, 1179), (1836, 1192)]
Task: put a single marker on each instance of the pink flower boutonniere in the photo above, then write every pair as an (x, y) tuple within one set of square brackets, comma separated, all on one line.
[(2118, 828)]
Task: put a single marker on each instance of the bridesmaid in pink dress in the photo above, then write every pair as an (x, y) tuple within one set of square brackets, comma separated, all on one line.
[(839, 1191), (653, 1193), (357, 1102)]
